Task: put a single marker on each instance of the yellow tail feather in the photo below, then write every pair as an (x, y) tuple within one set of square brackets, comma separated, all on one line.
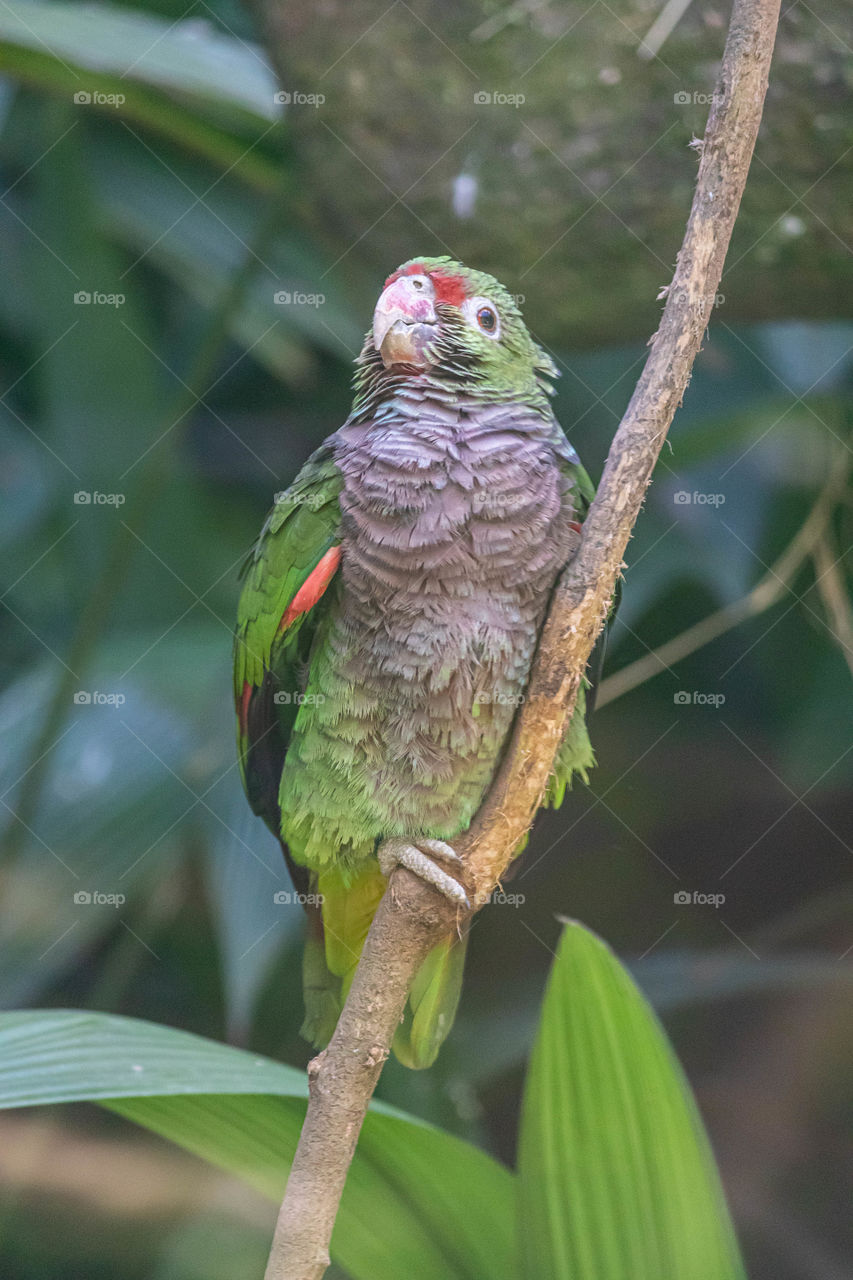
[(432, 1004), (349, 906)]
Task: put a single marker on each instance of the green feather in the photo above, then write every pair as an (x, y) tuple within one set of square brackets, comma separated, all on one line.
[(349, 905), (575, 755), (432, 1004), (321, 991), (303, 525)]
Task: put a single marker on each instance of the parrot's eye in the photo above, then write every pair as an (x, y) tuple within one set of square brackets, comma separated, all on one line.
[(482, 314), (487, 319)]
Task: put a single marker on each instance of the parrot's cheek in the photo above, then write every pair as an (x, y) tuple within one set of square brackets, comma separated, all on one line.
[(407, 344)]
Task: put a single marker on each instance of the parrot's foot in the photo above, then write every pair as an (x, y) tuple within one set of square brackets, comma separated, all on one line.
[(420, 859)]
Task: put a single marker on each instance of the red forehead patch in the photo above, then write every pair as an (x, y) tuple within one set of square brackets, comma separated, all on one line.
[(448, 288)]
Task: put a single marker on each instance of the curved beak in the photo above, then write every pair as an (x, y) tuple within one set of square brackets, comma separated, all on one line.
[(404, 322)]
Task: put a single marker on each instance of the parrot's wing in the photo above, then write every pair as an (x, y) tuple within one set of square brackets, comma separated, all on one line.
[(579, 489), (286, 575)]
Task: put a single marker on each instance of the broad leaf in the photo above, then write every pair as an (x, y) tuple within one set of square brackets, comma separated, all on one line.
[(418, 1202), (187, 57), (617, 1178)]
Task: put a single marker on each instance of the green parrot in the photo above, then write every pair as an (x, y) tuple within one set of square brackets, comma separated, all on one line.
[(388, 619)]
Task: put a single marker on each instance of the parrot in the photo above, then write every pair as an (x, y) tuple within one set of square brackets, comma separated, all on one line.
[(388, 617)]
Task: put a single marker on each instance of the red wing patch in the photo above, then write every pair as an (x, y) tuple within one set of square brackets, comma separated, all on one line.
[(576, 525), (312, 588), (243, 714)]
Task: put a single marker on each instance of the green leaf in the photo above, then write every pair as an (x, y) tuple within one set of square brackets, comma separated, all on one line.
[(211, 93), (616, 1175), (418, 1202), (187, 58)]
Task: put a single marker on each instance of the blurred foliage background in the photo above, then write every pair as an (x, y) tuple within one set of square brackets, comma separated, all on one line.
[(192, 252)]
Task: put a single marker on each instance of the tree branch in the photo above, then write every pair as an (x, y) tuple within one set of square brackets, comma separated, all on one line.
[(836, 599), (411, 917)]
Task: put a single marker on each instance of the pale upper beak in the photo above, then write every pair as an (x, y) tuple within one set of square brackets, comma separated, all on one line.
[(404, 322)]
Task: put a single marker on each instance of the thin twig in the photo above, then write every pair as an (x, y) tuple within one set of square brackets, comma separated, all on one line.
[(766, 592), (411, 917), (836, 599)]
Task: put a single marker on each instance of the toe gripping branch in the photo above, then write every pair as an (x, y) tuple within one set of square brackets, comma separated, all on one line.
[(422, 859)]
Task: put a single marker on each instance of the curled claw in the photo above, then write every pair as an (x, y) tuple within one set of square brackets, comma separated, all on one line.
[(420, 858)]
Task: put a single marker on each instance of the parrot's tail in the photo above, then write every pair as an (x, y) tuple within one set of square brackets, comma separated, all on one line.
[(332, 950), (575, 755), (432, 1004)]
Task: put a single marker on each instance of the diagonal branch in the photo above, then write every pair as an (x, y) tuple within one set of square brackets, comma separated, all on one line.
[(411, 917), (835, 596)]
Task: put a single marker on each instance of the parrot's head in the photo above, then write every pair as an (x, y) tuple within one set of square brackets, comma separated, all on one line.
[(438, 320)]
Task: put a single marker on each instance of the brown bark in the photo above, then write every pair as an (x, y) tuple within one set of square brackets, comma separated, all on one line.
[(411, 917)]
